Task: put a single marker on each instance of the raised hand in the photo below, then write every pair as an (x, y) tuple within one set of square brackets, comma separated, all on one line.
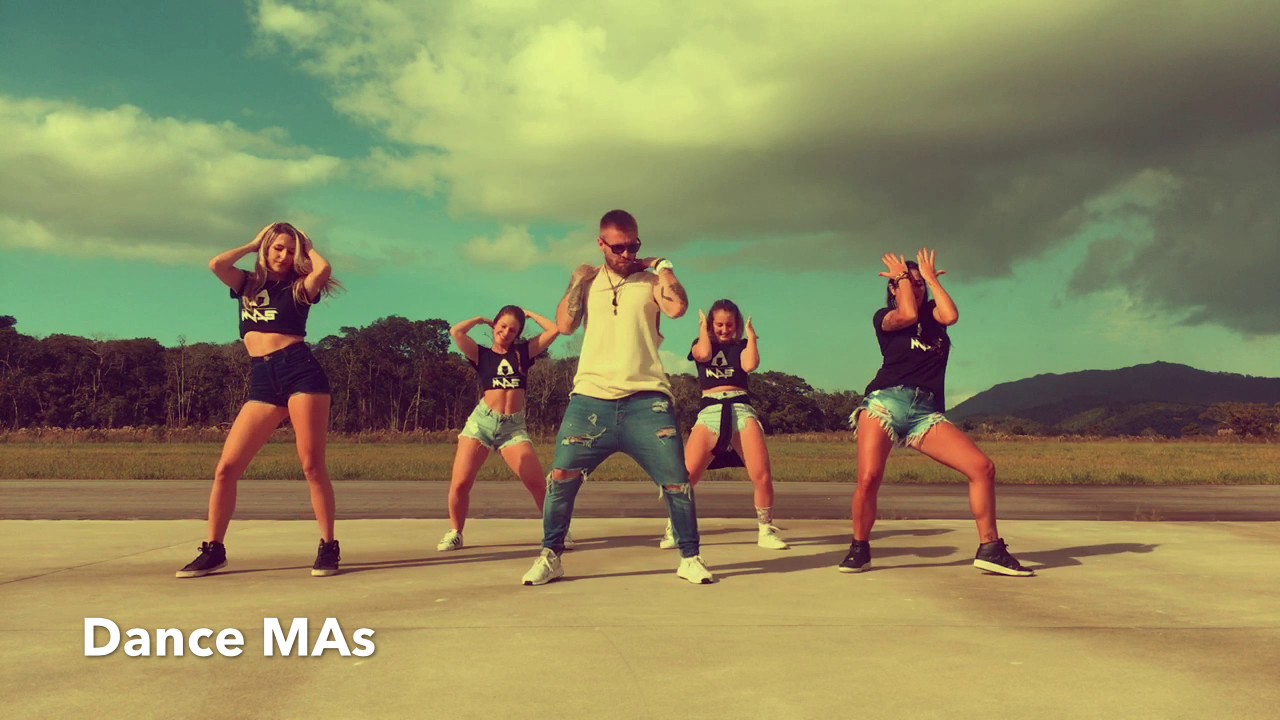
[(927, 260), (896, 263), (751, 331)]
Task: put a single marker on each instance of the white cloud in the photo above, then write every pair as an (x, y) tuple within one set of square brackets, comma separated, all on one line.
[(820, 134), (514, 248), (281, 19), (986, 122), (118, 182), (676, 364)]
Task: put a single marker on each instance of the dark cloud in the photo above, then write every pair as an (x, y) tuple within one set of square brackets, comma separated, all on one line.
[(821, 137)]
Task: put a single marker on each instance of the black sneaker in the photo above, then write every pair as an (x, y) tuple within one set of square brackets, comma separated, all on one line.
[(858, 559), (994, 557), (327, 558), (213, 556)]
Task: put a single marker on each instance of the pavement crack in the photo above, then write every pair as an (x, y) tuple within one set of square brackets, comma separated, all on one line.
[(91, 564)]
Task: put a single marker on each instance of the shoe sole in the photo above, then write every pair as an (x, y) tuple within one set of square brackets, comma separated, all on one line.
[(544, 582), (199, 573), (862, 568), (702, 581), (996, 569), (664, 545), (448, 548), (324, 573), (781, 546)]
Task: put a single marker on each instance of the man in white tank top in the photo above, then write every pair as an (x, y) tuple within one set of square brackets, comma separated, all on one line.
[(621, 400)]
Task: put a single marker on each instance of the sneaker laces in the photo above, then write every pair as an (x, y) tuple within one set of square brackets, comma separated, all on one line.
[(1002, 555), (329, 550)]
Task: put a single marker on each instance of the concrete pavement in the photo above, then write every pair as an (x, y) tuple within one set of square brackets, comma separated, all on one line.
[(1124, 620), (287, 500)]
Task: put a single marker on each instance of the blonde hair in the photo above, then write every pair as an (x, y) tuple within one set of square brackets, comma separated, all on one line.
[(301, 264)]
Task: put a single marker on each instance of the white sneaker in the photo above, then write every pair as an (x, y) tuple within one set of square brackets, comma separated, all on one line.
[(668, 541), (769, 538), (452, 540), (695, 571), (569, 542), (545, 569)]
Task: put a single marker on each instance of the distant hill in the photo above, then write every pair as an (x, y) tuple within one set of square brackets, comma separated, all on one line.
[(1164, 397)]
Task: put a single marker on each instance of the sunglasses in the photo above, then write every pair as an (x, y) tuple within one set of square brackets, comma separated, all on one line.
[(632, 247)]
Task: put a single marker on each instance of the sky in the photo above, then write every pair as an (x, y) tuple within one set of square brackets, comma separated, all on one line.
[(1099, 178)]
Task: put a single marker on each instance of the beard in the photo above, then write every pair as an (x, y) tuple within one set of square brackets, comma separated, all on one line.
[(623, 265)]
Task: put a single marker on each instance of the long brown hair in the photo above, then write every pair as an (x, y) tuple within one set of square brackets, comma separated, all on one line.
[(516, 312), (730, 307), (301, 264)]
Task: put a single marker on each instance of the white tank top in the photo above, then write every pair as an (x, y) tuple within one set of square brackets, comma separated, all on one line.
[(620, 352)]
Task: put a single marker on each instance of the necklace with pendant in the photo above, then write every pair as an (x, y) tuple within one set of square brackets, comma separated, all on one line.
[(615, 288)]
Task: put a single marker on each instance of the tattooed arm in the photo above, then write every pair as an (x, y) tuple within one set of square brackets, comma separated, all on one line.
[(573, 306), (670, 294)]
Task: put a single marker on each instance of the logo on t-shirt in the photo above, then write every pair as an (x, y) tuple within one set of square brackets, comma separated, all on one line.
[(720, 369), (504, 376), (257, 308), (918, 344)]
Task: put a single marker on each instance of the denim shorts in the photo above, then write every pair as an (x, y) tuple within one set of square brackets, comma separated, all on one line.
[(493, 429), (709, 417), (276, 377), (906, 413)]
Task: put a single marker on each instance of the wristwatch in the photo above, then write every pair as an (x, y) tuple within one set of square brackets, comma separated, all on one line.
[(664, 264)]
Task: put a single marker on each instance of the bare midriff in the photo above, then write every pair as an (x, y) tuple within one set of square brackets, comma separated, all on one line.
[(504, 402), (264, 343)]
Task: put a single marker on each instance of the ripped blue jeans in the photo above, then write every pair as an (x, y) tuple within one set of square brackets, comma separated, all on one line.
[(642, 426)]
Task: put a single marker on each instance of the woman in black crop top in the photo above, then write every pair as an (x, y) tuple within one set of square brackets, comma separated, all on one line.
[(724, 360), (272, 303), (904, 405), (497, 423)]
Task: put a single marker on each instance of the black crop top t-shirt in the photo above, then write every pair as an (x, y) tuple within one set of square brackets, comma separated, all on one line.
[(506, 371), (273, 310), (915, 355), (724, 367)]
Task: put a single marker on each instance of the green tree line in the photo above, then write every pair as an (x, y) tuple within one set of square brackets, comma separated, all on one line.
[(392, 375)]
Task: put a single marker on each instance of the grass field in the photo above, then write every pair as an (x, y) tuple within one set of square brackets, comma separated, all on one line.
[(1026, 462)]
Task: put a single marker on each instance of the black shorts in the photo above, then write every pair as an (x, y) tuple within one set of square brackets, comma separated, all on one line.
[(276, 377)]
